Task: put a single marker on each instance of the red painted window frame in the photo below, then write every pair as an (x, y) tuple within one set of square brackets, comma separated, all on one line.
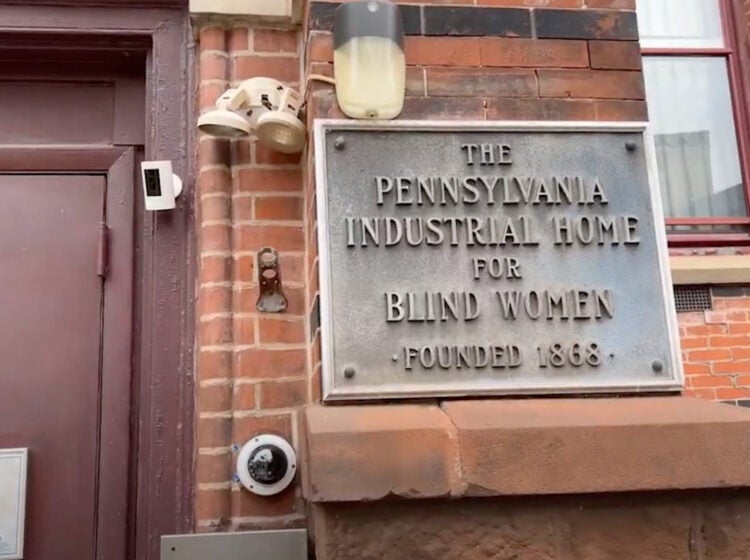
[(730, 52)]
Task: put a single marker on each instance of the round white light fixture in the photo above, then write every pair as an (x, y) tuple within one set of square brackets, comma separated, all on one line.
[(261, 105)]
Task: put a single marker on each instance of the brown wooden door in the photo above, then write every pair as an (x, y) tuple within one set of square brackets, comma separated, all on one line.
[(51, 356)]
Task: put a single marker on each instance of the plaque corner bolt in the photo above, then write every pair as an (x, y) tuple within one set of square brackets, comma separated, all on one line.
[(339, 143), (631, 146), (657, 366), (271, 298), (350, 372)]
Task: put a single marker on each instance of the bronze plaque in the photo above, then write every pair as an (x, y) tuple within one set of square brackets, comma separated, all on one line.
[(492, 258)]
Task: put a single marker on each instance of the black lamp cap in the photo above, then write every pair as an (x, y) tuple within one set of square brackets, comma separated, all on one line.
[(368, 18)]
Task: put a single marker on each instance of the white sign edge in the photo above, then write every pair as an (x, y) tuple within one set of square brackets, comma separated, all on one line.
[(23, 455)]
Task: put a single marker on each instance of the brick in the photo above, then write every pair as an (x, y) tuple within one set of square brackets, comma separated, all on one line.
[(214, 364), (281, 238), (283, 394), (541, 109), (696, 369), (597, 84), (724, 341), (208, 94), (244, 269), (285, 69), (735, 366), (215, 237), (275, 40), (242, 152), (212, 38), (320, 47), (736, 393), (292, 268), (533, 53), (442, 51), (616, 110), (709, 355), (705, 394), (478, 82), (215, 332), (212, 504), (213, 151), (615, 55), (691, 343), (215, 208), (243, 398), (741, 353), (611, 4), (279, 330), (585, 24), (216, 299), (702, 381), (213, 468), (239, 39), (469, 21), (271, 364), (705, 330), (242, 208), (443, 108), (244, 330), (743, 381), (215, 269), (214, 398), (532, 3), (270, 180), (734, 303), (213, 432), (267, 156), (214, 181), (213, 66), (247, 427)]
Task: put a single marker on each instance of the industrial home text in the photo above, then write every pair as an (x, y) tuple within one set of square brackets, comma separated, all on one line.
[(490, 207)]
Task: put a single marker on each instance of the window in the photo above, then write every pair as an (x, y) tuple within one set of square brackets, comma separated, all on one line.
[(698, 119)]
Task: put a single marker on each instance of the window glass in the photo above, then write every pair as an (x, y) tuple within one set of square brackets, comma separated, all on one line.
[(696, 144), (680, 24)]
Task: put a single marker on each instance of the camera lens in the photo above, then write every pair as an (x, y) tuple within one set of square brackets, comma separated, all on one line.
[(267, 464)]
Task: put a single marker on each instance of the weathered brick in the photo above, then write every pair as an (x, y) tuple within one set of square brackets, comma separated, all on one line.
[(213, 468), (239, 39), (212, 38), (283, 394), (480, 82), (442, 51), (615, 55), (467, 21), (247, 427), (216, 237), (215, 332), (586, 24), (271, 364), (275, 40), (280, 237), (214, 364), (611, 4), (547, 53), (214, 398), (285, 69), (596, 84), (213, 432), (618, 110), (243, 398), (215, 269), (244, 330), (443, 108), (247, 504), (213, 66), (541, 109), (212, 504), (281, 330), (214, 181), (270, 180)]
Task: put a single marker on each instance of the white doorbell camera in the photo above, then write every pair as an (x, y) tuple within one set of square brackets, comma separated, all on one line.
[(160, 185), (266, 465)]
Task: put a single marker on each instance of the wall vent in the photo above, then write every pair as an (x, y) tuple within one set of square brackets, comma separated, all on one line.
[(692, 298)]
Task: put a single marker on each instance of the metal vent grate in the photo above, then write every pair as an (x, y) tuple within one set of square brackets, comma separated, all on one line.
[(692, 298)]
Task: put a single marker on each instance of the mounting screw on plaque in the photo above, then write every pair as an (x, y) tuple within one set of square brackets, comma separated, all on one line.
[(272, 298)]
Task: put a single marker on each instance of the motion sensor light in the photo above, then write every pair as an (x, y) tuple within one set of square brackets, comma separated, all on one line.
[(261, 105), (368, 59)]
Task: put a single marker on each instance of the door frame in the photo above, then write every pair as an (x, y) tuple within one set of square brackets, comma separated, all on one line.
[(161, 493)]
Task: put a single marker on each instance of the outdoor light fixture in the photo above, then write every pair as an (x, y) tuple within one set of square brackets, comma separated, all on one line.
[(262, 105), (368, 61)]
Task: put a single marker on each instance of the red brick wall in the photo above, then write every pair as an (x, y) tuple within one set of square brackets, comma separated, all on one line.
[(716, 347), (251, 368)]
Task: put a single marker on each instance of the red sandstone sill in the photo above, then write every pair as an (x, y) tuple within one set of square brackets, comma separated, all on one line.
[(523, 447)]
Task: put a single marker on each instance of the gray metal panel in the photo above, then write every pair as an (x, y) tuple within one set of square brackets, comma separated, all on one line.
[(255, 545), (364, 355)]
